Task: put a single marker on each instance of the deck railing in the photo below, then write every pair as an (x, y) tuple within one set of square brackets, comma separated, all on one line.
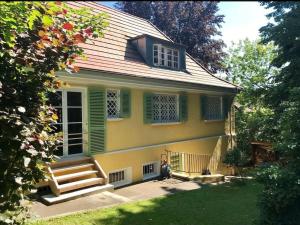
[(192, 163)]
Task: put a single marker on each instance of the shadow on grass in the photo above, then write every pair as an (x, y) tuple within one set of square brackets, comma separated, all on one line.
[(226, 204)]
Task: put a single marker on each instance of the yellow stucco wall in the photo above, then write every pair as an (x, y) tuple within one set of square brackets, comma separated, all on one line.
[(133, 132), (135, 159), (130, 143)]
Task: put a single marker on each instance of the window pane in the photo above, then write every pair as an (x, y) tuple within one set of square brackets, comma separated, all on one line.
[(214, 110), (165, 108), (75, 149), (55, 99), (175, 65), (74, 98), (113, 104), (74, 140), (74, 128), (74, 115)]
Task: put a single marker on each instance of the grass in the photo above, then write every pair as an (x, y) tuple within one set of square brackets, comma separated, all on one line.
[(227, 204)]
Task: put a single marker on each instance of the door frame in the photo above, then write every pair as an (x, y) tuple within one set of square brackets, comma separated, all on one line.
[(83, 92)]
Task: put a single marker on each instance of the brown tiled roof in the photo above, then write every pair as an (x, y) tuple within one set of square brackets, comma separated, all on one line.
[(115, 54)]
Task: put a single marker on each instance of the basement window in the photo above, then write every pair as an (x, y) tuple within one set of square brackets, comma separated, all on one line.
[(120, 177), (150, 170)]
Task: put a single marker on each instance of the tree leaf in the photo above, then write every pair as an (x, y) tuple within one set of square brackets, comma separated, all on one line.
[(47, 20), (33, 16), (68, 26)]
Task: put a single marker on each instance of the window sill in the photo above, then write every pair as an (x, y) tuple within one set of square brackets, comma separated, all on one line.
[(165, 124), (150, 176), (114, 119), (213, 121)]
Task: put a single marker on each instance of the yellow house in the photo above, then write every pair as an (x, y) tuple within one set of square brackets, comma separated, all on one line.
[(138, 98)]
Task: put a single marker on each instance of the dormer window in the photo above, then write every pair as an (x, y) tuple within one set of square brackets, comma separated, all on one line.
[(165, 57)]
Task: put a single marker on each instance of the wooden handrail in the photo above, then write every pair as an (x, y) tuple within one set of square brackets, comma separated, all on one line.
[(100, 170)]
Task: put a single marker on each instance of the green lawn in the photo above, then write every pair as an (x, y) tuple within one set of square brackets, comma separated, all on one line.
[(226, 204)]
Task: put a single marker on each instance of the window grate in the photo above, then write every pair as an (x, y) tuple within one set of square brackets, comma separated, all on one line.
[(149, 169), (165, 108), (117, 176), (214, 109), (176, 161), (113, 104)]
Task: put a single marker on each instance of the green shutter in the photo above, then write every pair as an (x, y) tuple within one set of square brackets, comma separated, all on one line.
[(97, 115), (183, 107), (227, 100), (125, 103), (148, 107), (203, 105)]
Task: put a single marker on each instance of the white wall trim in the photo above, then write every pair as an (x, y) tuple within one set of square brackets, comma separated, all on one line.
[(160, 145)]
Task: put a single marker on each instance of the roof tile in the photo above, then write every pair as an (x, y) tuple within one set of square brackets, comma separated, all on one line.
[(114, 52)]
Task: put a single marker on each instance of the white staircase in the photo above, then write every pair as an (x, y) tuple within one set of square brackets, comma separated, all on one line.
[(73, 178)]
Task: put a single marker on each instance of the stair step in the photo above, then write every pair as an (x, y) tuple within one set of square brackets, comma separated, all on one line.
[(52, 199), (75, 175), (70, 161), (73, 167), (79, 184)]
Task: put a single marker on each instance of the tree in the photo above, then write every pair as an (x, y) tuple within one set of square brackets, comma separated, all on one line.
[(194, 24), (249, 66), (36, 40), (280, 200)]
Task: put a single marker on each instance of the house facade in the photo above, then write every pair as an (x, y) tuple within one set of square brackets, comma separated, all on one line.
[(138, 96)]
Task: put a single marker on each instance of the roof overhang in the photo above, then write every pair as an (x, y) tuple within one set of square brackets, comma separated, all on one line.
[(95, 78)]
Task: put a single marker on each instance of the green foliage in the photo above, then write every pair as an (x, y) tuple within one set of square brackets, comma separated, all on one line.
[(36, 39), (280, 201), (249, 66), (233, 157), (195, 24)]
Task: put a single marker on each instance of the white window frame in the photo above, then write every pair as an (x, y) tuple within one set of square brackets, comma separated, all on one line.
[(165, 64), (156, 170), (118, 104), (127, 176), (64, 123), (177, 109), (221, 108)]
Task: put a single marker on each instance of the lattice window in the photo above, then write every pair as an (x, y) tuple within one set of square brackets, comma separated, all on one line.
[(165, 108), (113, 103), (214, 108), (163, 56)]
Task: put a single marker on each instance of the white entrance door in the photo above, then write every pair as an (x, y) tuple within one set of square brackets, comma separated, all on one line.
[(68, 104)]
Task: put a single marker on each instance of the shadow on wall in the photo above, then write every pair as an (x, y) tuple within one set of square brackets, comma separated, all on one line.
[(214, 205), (216, 161)]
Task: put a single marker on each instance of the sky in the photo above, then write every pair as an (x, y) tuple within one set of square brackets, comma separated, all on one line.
[(242, 19)]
